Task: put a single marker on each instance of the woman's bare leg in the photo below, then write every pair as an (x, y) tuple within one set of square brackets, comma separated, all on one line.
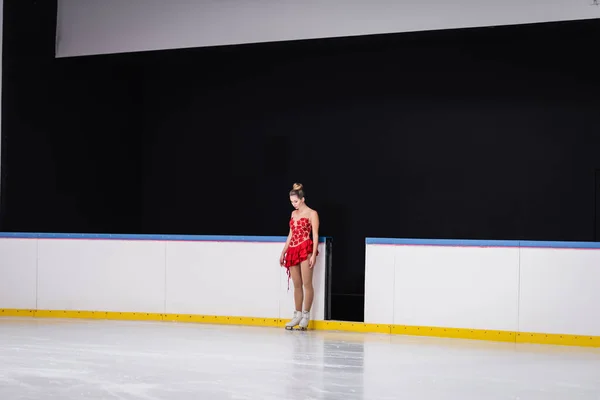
[(298, 297), (307, 283), (298, 293)]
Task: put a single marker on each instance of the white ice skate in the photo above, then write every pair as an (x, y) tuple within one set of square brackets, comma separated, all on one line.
[(305, 320), (295, 321)]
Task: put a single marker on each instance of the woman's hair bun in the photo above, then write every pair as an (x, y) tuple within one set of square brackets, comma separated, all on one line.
[(297, 186)]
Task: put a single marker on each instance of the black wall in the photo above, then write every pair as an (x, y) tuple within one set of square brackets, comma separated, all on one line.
[(481, 133)]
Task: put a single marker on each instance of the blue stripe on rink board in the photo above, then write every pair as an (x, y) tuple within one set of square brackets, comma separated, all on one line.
[(444, 242), (107, 236), (484, 243), (561, 245)]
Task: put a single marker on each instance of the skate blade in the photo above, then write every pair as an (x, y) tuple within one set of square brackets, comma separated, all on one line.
[(295, 328)]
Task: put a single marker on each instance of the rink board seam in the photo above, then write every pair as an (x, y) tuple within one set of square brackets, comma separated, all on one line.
[(358, 327)]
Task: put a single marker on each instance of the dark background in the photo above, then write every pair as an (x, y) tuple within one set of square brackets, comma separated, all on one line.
[(489, 133)]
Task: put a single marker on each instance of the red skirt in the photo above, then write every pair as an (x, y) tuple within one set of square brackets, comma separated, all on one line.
[(295, 255)]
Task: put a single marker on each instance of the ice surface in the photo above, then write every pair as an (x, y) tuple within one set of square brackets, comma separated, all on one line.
[(79, 359)]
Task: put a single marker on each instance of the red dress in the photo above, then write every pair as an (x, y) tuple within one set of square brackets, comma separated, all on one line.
[(301, 244)]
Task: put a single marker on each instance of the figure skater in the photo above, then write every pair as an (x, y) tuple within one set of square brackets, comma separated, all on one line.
[(299, 256)]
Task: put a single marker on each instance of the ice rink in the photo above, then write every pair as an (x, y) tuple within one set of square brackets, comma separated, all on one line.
[(82, 359)]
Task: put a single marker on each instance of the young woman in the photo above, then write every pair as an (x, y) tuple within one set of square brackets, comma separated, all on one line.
[(299, 255)]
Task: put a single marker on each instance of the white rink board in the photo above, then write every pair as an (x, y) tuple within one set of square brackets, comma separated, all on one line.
[(220, 278), (560, 291), (537, 287), (379, 284), (200, 275), (18, 273), (101, 275), (456, 287)]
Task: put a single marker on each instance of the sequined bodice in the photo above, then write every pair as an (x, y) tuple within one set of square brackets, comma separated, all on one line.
[(300, 230)]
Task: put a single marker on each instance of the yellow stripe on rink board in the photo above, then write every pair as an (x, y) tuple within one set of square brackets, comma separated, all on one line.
[(214, 319), (112, 315), (455, 333), (359, 327), (350, 327), (9, 312), (557, 339)]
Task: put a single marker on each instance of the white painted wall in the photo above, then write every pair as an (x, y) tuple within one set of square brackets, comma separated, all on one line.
[(113, 26), (224, 276), (536, 287)]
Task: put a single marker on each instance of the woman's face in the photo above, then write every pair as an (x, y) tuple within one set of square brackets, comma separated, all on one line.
[(296, 202)]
